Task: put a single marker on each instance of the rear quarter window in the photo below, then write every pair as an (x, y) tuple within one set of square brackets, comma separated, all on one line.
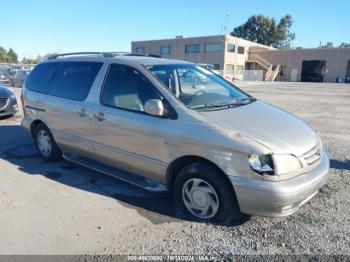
[(73, 80), (40, 78)]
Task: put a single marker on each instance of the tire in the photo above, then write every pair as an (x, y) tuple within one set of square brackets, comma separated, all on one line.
[(204, 183), (44, 139)]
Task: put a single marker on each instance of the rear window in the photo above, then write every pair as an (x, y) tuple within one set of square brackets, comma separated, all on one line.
[(73, 80), (40, 78)]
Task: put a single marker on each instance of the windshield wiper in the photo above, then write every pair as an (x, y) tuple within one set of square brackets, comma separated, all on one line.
[(235, 102), (206, 106)]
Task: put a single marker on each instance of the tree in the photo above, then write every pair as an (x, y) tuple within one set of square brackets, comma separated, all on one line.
[(327, 45), (343, 44), (12, 56), (3, 55), (8, 56), (264, 30), (32, 60)]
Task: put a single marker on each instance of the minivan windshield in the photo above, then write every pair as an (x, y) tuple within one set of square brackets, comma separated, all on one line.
[(199, 88)]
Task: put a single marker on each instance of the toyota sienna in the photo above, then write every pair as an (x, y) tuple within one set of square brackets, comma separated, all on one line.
[(173, 126)]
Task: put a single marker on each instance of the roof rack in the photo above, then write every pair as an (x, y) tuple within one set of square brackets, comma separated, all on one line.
[(104, 54)]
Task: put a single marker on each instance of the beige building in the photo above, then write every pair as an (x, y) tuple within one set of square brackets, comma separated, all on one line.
[(310, 65), (230, 53)]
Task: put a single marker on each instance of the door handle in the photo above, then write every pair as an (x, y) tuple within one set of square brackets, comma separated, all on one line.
[(100, 116), (82, 112)]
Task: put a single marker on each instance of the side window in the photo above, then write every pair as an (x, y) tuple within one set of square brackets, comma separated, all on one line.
[(73, 80), (127, 88), (40, 78), (241, 50)]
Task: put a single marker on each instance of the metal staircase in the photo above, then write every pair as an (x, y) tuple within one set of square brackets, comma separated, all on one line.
[(272, 71)]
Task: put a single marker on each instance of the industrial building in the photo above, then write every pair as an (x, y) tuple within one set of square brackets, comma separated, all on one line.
[(230, 54)]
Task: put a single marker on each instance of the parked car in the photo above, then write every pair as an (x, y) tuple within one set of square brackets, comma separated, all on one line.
[(219, 151), (207, 66), (4, 79), (8, 102), (19, 78)]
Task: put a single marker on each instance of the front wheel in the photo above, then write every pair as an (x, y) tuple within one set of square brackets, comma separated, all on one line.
[(201, 193), (45, 143)]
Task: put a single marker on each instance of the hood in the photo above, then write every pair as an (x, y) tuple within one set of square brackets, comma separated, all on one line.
[(5, 92), (278, 130)]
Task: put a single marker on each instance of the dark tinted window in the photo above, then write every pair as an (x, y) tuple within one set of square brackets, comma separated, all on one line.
[(73, 80), (165, 50), (140, 50), (40, 78), (240, 50), (127, 88)]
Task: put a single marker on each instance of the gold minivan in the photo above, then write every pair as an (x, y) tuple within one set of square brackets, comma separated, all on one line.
[(173, 126)]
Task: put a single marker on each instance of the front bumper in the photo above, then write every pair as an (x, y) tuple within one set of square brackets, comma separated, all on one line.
[(283, 198)]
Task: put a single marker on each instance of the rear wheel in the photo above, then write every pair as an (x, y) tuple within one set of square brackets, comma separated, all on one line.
[(45, 143), (202, 194)]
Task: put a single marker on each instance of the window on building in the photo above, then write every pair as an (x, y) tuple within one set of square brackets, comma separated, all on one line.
[(230, 68), (212, 48), (140, 50), (194, 48), (240, 50), (231, 48), (239, 67), (165, 50)]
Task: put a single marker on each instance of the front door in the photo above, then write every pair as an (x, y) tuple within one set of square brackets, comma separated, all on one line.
[(123, 135)]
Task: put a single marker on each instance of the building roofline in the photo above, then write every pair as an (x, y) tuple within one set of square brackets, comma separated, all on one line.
[(174, 39), (201, 37), (300, 49)]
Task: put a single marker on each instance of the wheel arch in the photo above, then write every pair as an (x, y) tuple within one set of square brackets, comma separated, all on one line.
[(175, 166), (34, 124)]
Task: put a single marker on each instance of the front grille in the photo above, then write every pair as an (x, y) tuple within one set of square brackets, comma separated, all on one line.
[(313, 156), (3, 102)]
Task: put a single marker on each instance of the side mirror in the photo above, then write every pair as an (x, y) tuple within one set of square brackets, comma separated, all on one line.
[(154, 107)]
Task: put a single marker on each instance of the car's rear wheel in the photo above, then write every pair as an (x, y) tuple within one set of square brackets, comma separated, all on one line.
[(46, 144), (201, 193)]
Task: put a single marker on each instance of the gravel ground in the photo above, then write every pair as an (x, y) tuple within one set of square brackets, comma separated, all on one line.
[(60, 208)]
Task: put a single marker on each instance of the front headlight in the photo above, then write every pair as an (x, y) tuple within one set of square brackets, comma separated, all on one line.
[(285, 164), (262, 164), (13, 97)]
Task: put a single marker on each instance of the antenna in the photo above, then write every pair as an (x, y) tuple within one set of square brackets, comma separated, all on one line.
[(225, 25)]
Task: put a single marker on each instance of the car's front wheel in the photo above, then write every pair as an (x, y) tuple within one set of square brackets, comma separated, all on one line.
[(45, 143), (202, 194)]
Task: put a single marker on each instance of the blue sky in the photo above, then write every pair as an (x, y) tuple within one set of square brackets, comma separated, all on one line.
[(35, 27)]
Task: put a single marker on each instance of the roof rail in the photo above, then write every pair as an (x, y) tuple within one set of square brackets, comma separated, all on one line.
[(138, 54), (105, 54)]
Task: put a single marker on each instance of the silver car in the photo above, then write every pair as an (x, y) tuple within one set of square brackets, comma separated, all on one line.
[(19, 78), (217, 150), (8, 102)]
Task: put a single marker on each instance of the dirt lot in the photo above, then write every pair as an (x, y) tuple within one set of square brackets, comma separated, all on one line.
[(61, 208)]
